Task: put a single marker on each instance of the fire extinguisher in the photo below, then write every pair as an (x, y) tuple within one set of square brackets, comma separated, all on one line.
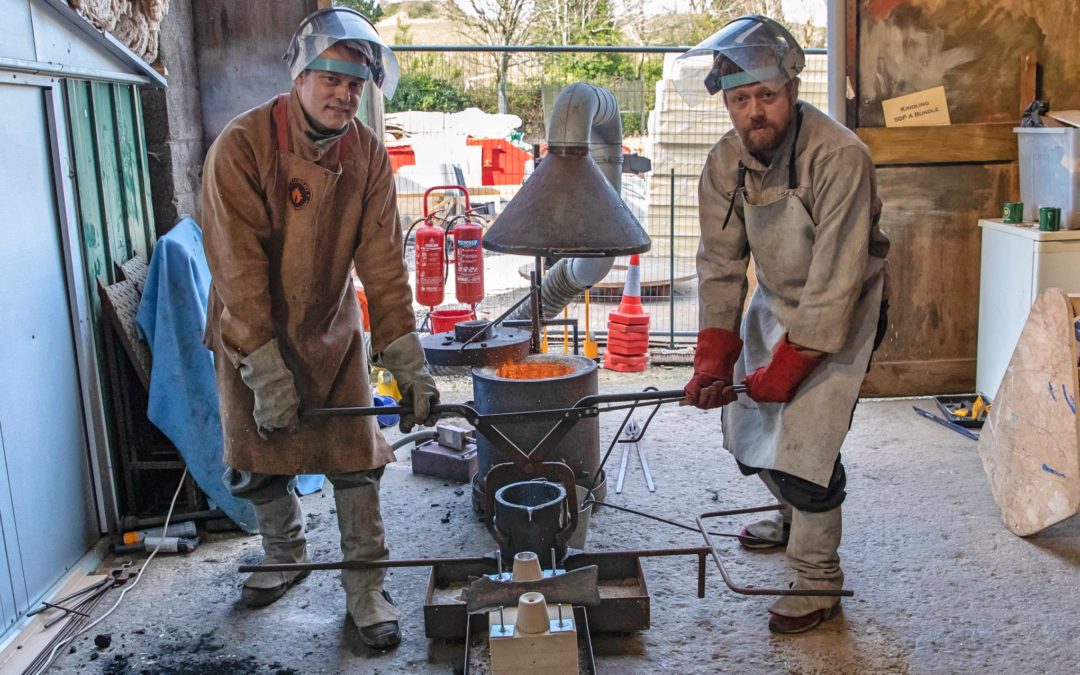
[(468, 258), (468, 254), (430, 260)]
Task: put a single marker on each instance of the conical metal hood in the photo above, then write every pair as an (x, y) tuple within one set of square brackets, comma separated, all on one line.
[(567, 208)]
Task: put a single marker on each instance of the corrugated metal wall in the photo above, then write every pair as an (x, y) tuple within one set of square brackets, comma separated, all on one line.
[(116, 217)]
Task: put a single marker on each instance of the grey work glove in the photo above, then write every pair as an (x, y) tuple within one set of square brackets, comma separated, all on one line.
[(276, 402), (404, 358)]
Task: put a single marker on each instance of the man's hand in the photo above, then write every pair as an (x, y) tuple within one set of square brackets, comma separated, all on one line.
[(404, 358), (714, 368), (271, 381), (779, 381), (417, 400)]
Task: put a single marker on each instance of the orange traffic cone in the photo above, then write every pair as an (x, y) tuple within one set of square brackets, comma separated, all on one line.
[(628, 327)]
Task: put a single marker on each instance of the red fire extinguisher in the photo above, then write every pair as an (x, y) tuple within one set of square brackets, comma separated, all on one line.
[(430, 260), (468, 259), (468, 256)]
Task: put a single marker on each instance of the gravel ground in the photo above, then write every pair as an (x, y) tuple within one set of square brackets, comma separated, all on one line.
[(940, 585)]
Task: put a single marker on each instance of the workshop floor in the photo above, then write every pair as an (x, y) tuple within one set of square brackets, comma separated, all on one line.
[(940, 585)]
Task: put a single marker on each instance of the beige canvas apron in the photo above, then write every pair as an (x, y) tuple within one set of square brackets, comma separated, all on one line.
[(802, 437)]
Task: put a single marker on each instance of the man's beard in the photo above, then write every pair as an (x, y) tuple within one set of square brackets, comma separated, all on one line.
[(765, 138)]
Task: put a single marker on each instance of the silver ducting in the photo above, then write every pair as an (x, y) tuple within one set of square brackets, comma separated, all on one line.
[(584, 119)]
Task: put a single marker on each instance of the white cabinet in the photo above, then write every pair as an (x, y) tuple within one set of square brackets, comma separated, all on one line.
[(1018, 262)]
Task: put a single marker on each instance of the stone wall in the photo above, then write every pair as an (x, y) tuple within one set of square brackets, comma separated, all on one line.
[(173, 122)]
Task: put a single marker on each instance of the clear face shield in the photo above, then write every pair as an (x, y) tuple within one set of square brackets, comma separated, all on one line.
[(761, 50), (327, 27)]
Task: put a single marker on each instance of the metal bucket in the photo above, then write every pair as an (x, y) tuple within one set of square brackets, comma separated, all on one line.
[(579, 449), (529, 515)]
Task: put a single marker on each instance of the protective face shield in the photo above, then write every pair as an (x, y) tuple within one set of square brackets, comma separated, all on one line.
[(325, 28), (763, 49)]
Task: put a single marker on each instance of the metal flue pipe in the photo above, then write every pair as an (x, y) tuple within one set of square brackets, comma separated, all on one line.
[(585, 118)]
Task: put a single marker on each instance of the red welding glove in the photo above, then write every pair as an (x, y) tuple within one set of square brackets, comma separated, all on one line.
[(778, 381), (714, 369)]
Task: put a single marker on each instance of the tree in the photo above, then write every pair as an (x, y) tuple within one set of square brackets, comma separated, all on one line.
[(576, 22), (705, 17), (496, 22), (369, 8)]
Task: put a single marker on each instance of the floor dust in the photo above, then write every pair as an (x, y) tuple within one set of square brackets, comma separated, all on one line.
[(940, 585)]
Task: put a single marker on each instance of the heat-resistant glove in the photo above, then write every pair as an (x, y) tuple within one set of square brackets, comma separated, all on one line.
[(778, 381), (276, 402), (714, 368), (404, 358)]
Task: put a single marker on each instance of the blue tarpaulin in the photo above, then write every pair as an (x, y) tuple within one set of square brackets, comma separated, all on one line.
[(183, 395)]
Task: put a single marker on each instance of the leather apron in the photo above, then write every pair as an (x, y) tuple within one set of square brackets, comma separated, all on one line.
[(803, 437), (318, 328)]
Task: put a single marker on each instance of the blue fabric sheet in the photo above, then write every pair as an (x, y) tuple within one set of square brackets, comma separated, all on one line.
[(183, 395)]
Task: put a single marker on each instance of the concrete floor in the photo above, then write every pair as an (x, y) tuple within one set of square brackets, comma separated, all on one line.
[(940, 585)]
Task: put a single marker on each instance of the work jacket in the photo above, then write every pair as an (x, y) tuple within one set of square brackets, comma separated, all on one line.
[(810, 220), (286, 214)]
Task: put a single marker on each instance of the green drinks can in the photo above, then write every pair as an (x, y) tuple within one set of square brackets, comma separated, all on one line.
[(1049, 219), (1013, 212)]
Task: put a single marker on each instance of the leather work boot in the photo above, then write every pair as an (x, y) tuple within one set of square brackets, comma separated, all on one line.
[(771, 532), (765, 533), (812, 553), (282, 530), (362, 538)]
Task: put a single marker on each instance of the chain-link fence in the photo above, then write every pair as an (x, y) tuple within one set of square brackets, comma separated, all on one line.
[(445, 131)]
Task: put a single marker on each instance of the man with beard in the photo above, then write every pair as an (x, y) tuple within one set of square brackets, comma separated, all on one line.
[(796, 190), (296, 193)]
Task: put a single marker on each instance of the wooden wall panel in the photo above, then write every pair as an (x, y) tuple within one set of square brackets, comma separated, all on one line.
[(972, 47), (930, 214), (941, 145)]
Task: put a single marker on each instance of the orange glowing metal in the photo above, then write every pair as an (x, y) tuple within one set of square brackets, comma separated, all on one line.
[(533, 371)]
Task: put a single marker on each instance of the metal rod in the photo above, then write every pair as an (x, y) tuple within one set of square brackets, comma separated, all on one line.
[(563, 49), (585, 407), (618, 435), (671, 260), (538, 316), (495, 322), (750, 590), (363, 564), (658, 518), (136, 523), (476, 560), (701, 575), (646, 552), (622, 469), (64, 609), (678, 333), (81, 591), (498, 557), (554, 563), (525, 323), (534, 313), (645, 468)]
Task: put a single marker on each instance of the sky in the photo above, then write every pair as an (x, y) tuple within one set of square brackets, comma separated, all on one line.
[(797, 11)]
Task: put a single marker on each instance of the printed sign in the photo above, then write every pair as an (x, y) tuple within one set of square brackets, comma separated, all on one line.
[(926, 108)]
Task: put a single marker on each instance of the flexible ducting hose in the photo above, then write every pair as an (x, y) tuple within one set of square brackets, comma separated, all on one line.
[(584, 116)]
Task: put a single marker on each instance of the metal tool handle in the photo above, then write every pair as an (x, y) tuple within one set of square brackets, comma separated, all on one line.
[(587, 406), (459, 188)]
